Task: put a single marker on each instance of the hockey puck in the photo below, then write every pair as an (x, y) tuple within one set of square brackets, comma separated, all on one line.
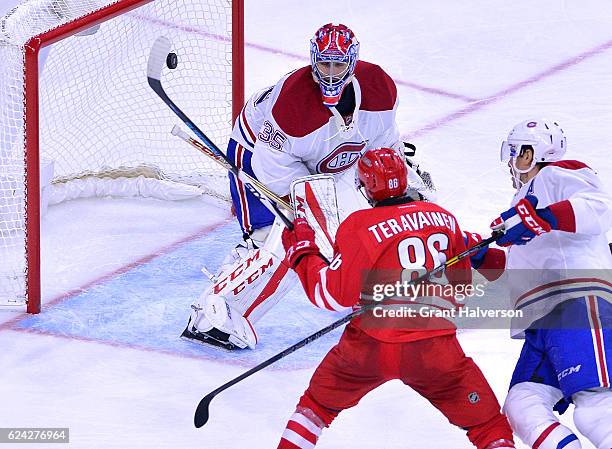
[(172, 60)]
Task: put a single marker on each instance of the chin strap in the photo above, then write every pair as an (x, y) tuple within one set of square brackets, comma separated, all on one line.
[(516, 172)]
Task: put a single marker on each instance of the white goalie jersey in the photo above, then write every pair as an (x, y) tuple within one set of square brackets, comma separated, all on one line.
[(292, 134)]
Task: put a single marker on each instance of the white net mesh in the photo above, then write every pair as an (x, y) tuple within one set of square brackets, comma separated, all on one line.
[(12, 177), (97, 112)]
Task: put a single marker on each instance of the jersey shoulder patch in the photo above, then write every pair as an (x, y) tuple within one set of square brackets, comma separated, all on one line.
[(378, 90), (298, 109)]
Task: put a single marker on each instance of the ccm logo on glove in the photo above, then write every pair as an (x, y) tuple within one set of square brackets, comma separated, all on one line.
[(537, 226), (523, 222)]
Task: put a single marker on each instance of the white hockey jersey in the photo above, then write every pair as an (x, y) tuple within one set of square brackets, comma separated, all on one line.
[(561, 265), (291, 133)]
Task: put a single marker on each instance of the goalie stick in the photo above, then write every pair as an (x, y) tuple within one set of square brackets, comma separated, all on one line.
[(256, 187), (157, 58), (202, 413)]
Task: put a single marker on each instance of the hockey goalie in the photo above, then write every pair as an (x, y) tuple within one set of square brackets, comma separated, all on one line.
[(316, 120)]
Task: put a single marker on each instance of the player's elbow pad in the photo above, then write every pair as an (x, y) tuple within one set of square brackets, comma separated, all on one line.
[(493, 264)]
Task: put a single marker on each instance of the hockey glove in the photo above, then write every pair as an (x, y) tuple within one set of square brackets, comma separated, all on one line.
[(299, 242), (523, 222), (420, 181), (471, 239), (490, 262)]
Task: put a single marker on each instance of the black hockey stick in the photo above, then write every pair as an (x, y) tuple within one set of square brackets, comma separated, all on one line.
[(202, 413), (157, 58)]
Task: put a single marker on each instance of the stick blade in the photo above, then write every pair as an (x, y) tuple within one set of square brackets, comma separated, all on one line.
[(201, 414), (157, 57)]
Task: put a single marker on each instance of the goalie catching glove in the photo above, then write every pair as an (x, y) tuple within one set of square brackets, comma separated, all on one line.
[(419, 180)]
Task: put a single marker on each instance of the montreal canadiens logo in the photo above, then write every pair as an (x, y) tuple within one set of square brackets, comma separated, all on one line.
[(343, 156)]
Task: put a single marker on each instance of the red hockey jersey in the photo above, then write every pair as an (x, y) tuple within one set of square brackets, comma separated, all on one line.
[(389, 245)]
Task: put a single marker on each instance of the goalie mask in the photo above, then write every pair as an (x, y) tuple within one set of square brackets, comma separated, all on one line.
[(382, 174), (334, 51), (544, 137)]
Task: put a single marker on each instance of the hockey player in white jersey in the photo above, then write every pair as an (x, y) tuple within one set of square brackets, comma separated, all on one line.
[(558, 271), (317, 119)]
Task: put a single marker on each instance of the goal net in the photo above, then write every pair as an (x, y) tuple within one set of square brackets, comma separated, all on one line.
[(75, 105)]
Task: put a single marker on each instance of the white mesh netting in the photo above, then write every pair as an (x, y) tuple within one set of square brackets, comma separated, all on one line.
[(97, 112)]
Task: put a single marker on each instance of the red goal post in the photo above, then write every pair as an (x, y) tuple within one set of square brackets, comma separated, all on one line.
[(209, 35)]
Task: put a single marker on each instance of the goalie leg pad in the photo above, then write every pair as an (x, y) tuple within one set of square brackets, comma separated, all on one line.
[(256, 282), (252, 282)]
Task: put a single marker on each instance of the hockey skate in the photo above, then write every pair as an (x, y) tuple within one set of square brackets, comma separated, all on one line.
[(215, 323), (213, 337)]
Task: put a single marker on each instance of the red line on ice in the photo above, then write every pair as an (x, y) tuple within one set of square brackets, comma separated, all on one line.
[(475, 104), (11, 324), (568, 63), (287, 54), (126, 345), (430, 90), (124, 269), (206, 356), (164, 250)]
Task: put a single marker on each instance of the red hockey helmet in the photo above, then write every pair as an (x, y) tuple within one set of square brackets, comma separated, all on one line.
[(334, 51), (383, 174)]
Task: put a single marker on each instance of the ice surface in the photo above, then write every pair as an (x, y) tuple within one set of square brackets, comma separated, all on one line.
[(104, 358)]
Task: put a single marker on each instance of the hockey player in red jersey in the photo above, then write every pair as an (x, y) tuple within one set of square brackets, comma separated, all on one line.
[(400, 233)]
